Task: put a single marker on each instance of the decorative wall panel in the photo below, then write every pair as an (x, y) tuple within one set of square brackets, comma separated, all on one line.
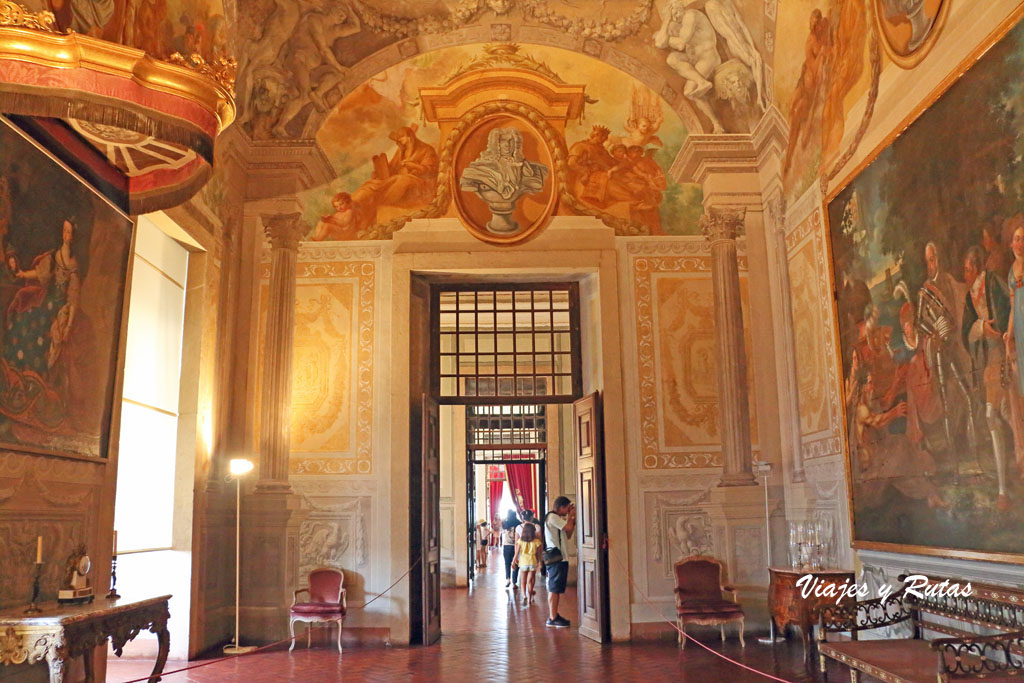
[(676, 354), (814, 339), (332, 382)]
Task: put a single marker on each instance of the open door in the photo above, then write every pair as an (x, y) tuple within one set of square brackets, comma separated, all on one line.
[(592, 519), (470, 520), (431, 529)]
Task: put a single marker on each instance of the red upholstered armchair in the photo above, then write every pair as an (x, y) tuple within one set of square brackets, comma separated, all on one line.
[(699, 596), (326, 603)]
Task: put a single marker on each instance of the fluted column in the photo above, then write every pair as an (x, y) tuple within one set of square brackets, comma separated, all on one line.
[(284, 231), (721, 227)]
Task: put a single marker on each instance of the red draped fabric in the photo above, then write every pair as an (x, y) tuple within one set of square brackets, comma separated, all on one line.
[(494, 489), (522, 478)]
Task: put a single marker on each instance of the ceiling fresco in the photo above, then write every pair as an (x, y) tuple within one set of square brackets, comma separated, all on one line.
[(387, 151), (707, 59)]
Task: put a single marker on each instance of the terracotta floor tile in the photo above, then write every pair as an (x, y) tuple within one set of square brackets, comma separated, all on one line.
[(488, 636)]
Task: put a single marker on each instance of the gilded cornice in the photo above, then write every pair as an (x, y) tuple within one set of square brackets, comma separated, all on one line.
[(45, 47)]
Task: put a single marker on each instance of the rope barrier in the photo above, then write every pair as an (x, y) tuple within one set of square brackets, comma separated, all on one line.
[(683, 633), (279, 642)]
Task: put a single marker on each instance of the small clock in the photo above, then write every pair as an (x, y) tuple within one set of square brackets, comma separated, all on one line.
[(76, 581)]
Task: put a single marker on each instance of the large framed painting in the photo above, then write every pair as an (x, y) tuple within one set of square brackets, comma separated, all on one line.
[(62, 290), (927, 252)]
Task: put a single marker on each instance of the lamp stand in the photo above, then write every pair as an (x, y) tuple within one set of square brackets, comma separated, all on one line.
[(764, 468), (235, 648)]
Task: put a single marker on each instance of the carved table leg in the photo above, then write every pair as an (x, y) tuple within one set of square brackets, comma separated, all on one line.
[(90, 676), (58, 667), (164, 639)]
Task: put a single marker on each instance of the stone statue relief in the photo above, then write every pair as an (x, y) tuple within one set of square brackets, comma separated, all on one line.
[(690, 33), (501, 176)]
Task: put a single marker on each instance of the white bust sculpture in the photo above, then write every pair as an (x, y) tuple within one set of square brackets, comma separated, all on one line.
[(501, 175)]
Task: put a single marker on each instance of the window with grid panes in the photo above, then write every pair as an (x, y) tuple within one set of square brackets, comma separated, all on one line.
[(506, 432), (504, 343)]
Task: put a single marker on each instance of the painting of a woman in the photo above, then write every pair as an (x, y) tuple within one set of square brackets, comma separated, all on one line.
[(36, 327), (63, 275)]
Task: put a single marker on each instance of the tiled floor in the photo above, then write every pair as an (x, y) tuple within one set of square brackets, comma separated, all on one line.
[(489, 637)]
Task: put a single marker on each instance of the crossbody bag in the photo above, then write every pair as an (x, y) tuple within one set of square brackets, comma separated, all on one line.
[(551, 555)]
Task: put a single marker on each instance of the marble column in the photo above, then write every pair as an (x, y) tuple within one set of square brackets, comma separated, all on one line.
[(721, 227), (284, 232)]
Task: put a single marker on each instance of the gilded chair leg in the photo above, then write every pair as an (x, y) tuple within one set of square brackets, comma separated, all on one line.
[(291, 630), (341, 623), (682, 636), (309, 635), (854, 676), (721, 629), (743, 643)]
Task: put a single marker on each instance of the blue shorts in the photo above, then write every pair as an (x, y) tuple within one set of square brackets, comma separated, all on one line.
[(558, 573)]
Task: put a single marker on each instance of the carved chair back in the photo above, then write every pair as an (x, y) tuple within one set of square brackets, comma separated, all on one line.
[(325, 584)]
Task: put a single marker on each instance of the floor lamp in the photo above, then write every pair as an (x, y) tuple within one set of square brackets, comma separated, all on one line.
[(238, 467), (764, 468)]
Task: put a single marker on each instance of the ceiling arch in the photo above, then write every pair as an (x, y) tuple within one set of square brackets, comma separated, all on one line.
[(378, 63)]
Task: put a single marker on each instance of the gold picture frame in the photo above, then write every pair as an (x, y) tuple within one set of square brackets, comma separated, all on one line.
[(998, 34)]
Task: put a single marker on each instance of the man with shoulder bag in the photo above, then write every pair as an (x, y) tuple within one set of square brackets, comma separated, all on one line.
[(559, 525)]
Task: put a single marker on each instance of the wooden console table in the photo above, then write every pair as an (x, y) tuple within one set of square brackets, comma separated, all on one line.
[(787, 606), (62, 632)]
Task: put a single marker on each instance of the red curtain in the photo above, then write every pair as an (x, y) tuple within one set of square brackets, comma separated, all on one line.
[(494, 488), (523, 480)]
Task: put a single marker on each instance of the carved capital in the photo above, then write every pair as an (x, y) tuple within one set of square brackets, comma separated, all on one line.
[(284, 229), (722, 224)]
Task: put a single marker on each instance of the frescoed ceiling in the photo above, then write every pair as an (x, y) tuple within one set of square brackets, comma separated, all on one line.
[(297, 60), (385, 143)]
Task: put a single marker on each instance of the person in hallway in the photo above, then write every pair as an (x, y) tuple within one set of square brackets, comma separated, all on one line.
[(508, 547), (528, 518), (526, 561), (559, 524), (483, 534)]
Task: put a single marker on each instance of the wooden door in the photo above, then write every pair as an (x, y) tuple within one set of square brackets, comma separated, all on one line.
[(592, 521), (471, 544), (431, 531)]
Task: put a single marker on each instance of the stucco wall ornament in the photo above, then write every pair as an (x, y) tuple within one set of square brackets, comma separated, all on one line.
[(464, 12), (691, 37)]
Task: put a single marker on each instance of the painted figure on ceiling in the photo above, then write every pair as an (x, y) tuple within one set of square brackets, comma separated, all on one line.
[(311, 47), (833, 64), (693, 54), (346, 223), (728, 23), (408, 178), (501, 175), (502, 167), (807, 95)]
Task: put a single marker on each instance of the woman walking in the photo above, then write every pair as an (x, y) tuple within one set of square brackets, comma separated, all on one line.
[(508, 548), (527, 549)]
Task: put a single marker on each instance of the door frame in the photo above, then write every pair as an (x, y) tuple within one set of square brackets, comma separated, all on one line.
[(571, 247)]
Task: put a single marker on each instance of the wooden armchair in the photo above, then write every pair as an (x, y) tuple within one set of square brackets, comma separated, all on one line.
[(326, 603), (699, 598)]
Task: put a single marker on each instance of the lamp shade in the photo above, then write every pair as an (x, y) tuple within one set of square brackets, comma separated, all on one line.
[(240, 466)]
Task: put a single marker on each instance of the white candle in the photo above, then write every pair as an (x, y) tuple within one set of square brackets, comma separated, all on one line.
[(115, 541), (39, 549)]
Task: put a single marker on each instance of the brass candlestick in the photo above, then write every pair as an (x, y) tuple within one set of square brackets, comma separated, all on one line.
[(33, 608), (113, 594)]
